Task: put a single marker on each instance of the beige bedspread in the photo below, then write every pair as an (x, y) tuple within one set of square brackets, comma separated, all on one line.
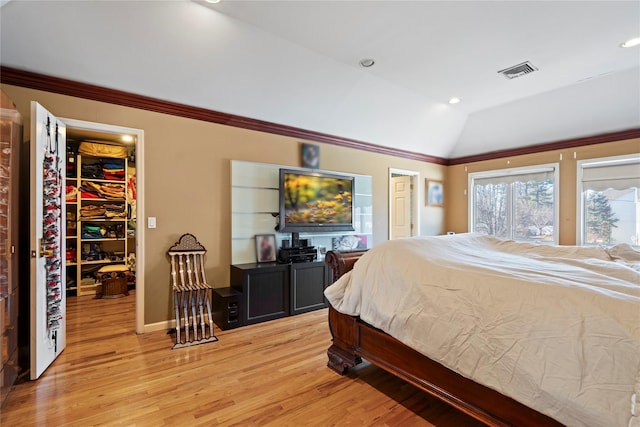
[(556, 328)]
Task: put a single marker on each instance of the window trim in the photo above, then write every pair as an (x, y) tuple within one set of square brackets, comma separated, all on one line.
[(580, 166), (523, 170)]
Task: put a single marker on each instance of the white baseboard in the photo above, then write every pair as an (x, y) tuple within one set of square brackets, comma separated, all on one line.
[(160, 326)]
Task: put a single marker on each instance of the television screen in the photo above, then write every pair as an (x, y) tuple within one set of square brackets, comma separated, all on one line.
[(312, 201)]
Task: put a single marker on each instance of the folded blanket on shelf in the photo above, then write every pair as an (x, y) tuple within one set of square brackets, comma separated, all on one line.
[(90, 231), (92, 170), (89, 192), (71, 193), (102, 231), (102, 150), (92, 211), (116, 176), (113, 170), (115, 211), (113, 191), (106, 191), (113, 164)]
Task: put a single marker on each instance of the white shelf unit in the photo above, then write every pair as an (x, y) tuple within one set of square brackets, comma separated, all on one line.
[(91, 253), (255, 197)]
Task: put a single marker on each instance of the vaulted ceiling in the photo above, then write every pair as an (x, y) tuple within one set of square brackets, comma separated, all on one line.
[(296, 63)]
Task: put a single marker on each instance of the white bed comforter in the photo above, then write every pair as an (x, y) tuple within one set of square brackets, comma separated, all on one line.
[(556, 328)]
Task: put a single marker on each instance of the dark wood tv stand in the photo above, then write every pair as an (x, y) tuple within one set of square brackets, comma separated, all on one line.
[(273, 290)]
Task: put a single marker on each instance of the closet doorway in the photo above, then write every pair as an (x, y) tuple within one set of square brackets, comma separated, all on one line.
[(126, 246), (404, 206)]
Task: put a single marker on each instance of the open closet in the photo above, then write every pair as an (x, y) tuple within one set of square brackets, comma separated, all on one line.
[(74, 186), (100, 199)]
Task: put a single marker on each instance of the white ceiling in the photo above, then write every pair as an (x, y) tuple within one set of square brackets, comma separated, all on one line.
[(296, 63)]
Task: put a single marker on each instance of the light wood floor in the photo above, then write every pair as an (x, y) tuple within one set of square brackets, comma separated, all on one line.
[(273, 373)]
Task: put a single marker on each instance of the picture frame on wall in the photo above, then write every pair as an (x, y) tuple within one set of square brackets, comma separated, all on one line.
[(435, 193), (266, 247), (310, 156)]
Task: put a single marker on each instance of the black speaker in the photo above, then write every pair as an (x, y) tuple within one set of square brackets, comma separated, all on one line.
[(227, 308)]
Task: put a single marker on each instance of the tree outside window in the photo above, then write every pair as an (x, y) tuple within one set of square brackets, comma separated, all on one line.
[(519, 206), (491, 209), (600, 220), (609, 212)]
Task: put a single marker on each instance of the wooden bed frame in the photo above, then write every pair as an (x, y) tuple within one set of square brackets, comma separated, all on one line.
[(354, 339)]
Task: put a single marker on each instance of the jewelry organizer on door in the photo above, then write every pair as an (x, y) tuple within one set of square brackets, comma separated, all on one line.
[(97, 217)]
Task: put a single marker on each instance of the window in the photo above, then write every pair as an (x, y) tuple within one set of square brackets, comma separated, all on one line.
[(608, 205), (518, 203)]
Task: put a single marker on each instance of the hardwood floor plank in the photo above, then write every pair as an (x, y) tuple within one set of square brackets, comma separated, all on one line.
[(271, 374)]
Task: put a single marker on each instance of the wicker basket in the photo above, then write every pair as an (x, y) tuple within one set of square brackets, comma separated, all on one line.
[(114, 284)]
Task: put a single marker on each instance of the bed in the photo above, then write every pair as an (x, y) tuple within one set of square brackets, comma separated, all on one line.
[(510, 333)]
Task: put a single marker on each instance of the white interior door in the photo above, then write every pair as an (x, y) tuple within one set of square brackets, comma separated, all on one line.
[(47, 240), (401, 205)]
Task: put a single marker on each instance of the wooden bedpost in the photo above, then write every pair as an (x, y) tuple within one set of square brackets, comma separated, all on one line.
[(343, 329), (342, 352)]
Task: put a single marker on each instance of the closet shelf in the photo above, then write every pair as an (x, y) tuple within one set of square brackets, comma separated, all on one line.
[(91, 199), (104, 181), (103, 219), (104, 261), (111, 250)]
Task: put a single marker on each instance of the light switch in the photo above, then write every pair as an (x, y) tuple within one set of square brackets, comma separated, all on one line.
[(151, 222)]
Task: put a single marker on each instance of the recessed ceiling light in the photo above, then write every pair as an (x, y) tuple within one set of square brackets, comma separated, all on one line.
[(631, 42), (127, 138), (367, 62), (213, 1), (454, 100)]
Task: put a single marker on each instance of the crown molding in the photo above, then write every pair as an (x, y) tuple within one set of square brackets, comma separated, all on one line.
[(558, 145), (31, 80)]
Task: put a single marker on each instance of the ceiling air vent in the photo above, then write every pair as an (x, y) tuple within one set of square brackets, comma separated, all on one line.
[(518, 70)]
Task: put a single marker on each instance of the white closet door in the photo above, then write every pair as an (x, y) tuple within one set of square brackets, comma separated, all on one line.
[(48, 272)]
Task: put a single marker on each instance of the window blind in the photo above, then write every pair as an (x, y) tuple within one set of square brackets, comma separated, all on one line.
[(618, 175), (509, 178)]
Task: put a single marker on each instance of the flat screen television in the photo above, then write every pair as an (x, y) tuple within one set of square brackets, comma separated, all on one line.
[(315, 201)]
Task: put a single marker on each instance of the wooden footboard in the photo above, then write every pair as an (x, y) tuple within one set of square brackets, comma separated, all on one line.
[(341, 262), (354, 339)]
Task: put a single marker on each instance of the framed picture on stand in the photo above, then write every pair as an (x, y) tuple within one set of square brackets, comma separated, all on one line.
[(266, 247)]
